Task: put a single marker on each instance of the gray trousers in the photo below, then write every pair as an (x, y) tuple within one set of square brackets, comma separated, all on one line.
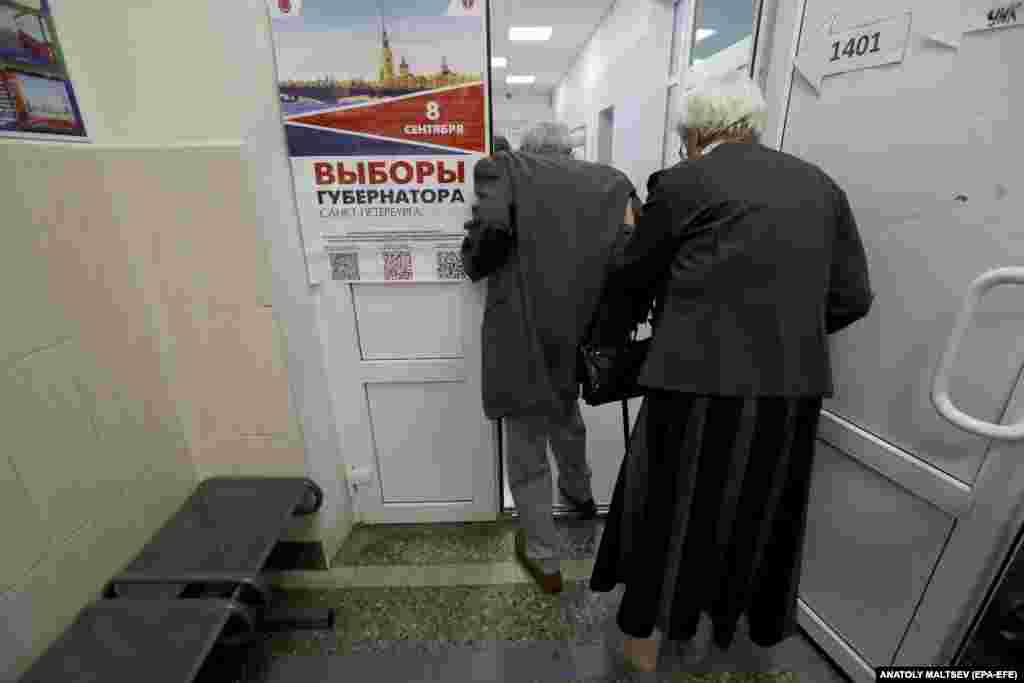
[(529, 475)]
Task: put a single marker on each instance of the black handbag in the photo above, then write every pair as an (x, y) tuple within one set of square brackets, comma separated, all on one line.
[(608, 369), (609, 373)]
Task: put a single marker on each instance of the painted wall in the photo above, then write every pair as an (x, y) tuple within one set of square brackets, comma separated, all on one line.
[(162, 328), (625, 66)]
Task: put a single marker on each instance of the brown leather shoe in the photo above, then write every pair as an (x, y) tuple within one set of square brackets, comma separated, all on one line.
[(549, 583), (641, 654)]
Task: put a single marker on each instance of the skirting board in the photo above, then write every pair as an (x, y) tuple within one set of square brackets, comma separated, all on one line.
[(844, 656)]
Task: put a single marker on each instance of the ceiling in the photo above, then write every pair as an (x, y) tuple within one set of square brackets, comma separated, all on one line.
[(573, 22)]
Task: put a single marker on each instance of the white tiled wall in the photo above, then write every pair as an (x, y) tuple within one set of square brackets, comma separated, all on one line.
[(93, 457), (138, 354), (219, 225)]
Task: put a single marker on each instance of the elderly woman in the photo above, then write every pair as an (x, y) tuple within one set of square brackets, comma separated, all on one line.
[(752, 257)]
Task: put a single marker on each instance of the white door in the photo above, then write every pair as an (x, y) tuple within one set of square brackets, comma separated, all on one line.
[(405, 370), (909, 514)]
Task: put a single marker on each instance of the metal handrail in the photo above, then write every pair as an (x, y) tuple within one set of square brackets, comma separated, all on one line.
[(940, 382)]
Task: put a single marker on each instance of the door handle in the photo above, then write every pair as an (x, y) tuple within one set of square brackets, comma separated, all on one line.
[(940, 382)]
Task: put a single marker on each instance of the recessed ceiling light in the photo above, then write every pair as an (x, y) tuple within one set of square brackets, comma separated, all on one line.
[(534, 33), (499, 62), (703, 33), (520, 80)]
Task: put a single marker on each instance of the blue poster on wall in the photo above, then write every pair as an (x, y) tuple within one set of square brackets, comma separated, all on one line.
[(36, 95)]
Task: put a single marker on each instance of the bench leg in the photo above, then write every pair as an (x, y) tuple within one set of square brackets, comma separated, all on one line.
[(295, 619)]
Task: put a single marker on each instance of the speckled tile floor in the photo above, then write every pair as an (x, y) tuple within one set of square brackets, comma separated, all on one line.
[(443, 544), (449, 603)]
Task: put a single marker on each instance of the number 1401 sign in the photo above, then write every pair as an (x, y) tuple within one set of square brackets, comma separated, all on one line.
[(857, 47), (865, 46), (870, 45)]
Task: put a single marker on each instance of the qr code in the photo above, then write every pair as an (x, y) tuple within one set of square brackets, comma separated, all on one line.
[(449, 265), (397, 265), (345, 266)]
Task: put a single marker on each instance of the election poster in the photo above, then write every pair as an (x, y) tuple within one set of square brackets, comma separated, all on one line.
[(386, 111), (36, 96)]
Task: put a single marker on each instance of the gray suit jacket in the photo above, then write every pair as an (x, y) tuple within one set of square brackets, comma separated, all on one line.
[(753, 257), (542, 233)]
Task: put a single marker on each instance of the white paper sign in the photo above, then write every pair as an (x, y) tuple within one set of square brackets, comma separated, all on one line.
[(1001, 16), (282, 9), (863, 47)]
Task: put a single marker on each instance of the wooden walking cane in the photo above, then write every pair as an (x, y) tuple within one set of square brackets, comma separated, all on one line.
[(625, 425), (633, 212)]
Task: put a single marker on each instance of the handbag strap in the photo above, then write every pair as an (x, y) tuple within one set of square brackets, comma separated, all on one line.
[(589, 329)]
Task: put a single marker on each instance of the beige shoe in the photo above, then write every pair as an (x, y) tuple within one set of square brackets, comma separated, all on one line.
[(549, 583)]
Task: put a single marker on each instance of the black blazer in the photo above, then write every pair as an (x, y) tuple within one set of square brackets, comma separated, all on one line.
[(753, 257), (542, 234)]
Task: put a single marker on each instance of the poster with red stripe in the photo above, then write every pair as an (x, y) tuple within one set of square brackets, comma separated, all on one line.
[(385, 108)]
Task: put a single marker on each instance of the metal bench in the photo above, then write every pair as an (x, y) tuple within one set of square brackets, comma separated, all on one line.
[(197, 583), (218, 543), (157, 641)]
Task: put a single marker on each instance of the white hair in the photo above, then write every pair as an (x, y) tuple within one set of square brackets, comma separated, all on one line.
[(733, 103), (547, 137)]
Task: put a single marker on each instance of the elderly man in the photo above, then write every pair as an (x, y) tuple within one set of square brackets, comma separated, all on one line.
[(542, 233), (501, 144)]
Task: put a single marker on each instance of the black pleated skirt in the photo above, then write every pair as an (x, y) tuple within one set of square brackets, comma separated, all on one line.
[(709, 514)]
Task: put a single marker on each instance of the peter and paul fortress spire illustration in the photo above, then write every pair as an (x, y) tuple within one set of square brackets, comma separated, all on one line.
[(387, 60), (394, 76), (397, 86), (405, 78)]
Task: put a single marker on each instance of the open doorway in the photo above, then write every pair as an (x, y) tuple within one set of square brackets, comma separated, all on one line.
[(524, 78), (584, 88)]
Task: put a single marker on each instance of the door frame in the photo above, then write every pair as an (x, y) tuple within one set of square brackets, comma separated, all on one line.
[(974, 556), (682, 40), (789, 21), (985, 529)]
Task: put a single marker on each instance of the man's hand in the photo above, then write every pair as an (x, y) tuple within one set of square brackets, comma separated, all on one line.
[(485, 248), (630, 218)]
